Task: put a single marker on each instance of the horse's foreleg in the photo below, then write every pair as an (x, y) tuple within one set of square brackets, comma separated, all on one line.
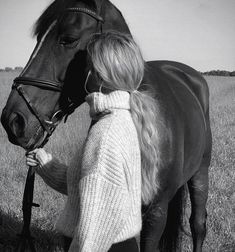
[(153, 226), (198, 189)]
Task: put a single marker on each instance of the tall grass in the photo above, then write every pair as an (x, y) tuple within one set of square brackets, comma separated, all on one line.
[(64, 144)]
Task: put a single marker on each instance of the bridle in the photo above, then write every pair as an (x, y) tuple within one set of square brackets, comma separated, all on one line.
[(47, 124), (88, 12)]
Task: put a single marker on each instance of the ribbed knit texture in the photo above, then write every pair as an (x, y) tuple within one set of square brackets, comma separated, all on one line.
[(104, 189)]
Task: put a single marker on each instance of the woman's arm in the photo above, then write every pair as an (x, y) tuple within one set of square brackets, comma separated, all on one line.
[(50, 169), (101, 216), (102, 198)]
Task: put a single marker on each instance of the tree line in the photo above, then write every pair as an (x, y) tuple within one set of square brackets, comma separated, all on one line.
[(212, 72), (219, 73), (10, 69)]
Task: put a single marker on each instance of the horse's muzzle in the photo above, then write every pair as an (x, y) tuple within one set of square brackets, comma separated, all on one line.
[(14, 124)]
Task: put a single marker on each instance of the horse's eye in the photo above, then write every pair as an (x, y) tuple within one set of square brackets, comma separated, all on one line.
[(69, 41)]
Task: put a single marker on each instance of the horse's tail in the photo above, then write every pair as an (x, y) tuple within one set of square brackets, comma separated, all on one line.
[(171, 238)]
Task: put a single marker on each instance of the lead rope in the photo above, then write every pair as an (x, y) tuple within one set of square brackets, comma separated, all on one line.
[(25, 238)]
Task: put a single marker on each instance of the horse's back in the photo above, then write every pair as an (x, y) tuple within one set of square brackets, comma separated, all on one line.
[(184, 100), (186, 75)]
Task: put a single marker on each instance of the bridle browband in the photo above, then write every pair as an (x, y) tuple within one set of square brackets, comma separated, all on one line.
[(89, 12), (47, 124), (86, 11)]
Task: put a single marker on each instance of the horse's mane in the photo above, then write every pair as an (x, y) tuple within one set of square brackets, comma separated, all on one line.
[(54, 11)]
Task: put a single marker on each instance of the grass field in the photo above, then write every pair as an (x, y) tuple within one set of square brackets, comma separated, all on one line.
[(221, 202)]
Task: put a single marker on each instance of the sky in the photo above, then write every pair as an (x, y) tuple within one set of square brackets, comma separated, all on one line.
[(200, 33)]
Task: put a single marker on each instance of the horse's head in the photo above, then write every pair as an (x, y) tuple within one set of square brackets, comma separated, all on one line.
[(52, 83)]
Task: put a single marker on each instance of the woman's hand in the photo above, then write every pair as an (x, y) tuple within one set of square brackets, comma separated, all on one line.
[(38, 157)]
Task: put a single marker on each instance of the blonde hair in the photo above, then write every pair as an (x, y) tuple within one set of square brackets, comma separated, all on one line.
[(118, 62)]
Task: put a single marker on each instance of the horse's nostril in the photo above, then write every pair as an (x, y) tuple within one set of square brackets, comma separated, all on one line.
[(17, 124)]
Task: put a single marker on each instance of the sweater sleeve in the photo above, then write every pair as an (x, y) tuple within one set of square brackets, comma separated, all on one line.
[(54, 174), (102, 193), (101, 214)]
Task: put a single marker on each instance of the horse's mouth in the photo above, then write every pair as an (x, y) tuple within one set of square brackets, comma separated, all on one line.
[(36, 140), (12, 139)]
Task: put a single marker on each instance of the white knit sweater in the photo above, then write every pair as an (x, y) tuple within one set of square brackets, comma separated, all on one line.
[(104, 190)]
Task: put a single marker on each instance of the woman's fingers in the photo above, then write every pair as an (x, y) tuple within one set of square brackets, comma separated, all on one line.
[(38, 157), (30, 156), (33, 152), (31, 164), (31, 161)]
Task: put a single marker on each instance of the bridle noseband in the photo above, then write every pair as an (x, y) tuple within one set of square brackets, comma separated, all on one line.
[(49, 125)]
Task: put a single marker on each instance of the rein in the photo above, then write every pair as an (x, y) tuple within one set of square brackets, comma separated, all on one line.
[(26, 240)]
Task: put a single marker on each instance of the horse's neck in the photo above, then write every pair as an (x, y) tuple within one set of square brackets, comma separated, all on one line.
[(113, 17)]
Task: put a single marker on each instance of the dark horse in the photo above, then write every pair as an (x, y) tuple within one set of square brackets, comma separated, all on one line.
[(51, 86)]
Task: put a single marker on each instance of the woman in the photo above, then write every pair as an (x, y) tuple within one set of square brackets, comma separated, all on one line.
[(118, 169)]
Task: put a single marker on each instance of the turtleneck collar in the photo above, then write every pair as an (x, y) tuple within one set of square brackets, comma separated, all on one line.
[(100, 103)]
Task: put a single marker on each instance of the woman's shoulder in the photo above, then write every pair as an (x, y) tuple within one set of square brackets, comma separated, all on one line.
[(117, 123), (109, 140), (115, 134), (101, 125), (100, 145)]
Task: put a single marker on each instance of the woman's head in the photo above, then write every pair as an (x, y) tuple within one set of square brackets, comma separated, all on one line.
[(117, 64), (116, 61)]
